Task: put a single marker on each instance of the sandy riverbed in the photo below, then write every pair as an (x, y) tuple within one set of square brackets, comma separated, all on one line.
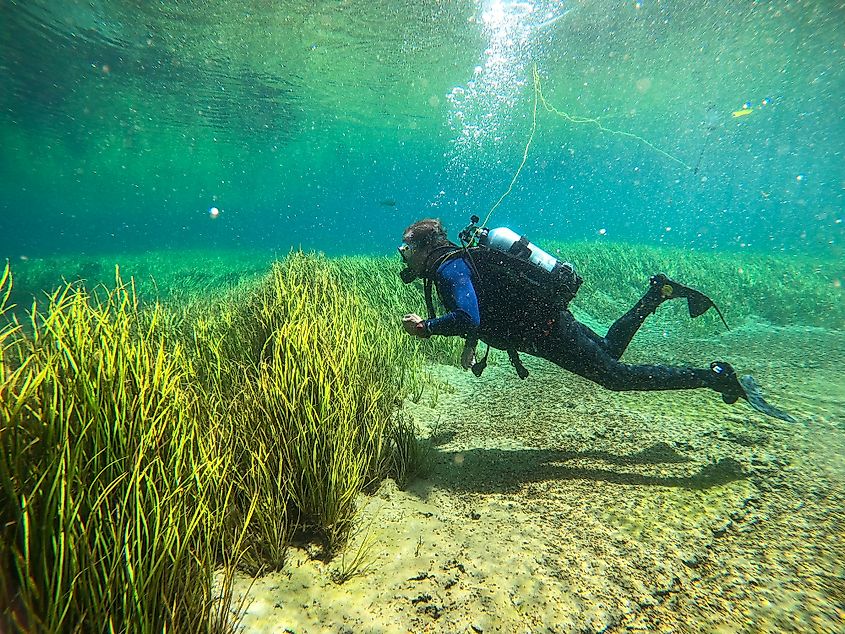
[(556, 506)]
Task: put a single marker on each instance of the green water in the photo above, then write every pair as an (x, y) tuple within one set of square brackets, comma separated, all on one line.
[(334, 125)]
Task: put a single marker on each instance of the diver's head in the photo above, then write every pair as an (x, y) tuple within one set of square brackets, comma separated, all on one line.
[(418, 242)]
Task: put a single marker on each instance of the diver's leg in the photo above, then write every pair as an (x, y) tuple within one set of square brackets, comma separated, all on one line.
[(573, 349), (619, 335), (660, 289)]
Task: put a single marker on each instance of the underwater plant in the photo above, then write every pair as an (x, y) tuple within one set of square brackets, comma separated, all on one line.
[(105, 478), (315, 383), (147, 446)]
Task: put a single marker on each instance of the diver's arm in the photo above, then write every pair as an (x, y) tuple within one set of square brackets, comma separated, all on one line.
[(455, 285)]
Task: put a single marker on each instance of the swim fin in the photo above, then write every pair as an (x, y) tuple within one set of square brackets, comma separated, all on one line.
[(733, 387), (755, 398), (697, 302)]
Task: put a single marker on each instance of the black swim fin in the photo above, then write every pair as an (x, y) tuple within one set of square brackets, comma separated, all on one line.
[(733, 387), (755, 398), (697, 302)]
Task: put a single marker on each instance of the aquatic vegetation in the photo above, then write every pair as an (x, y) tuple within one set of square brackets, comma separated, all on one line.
[(145, 446), (306, 377), (325, 388), (356, 561), (409, 458), (156, 275), (377, 279), (106, 479), (782, 290)]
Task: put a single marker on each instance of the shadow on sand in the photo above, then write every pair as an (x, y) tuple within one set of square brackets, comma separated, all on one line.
[(506, 470)]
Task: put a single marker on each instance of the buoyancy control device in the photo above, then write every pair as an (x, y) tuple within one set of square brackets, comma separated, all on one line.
[(521, 290)]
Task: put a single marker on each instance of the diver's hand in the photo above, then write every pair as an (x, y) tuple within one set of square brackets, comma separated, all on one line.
[(415, 326)]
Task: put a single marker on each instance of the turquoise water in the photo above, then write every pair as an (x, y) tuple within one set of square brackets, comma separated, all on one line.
[(192, 141), (335, 125)]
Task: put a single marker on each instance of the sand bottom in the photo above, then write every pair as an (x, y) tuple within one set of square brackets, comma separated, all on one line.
[(554, 505)]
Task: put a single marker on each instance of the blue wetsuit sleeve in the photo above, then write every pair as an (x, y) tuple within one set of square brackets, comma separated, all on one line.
[(454, 282)]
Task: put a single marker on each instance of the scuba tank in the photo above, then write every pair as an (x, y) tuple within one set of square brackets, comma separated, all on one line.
[(559, 278), (508, 241)]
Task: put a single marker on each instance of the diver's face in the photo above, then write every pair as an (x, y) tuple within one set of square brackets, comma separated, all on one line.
[(413, 255)]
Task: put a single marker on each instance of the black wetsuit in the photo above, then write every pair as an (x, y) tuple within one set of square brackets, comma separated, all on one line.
[(559, 337)]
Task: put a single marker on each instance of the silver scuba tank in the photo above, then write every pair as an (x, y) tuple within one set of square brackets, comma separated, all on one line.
[(508, 241), (559, 279)]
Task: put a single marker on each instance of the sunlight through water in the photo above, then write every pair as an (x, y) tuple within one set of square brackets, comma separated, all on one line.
[(481, 108)]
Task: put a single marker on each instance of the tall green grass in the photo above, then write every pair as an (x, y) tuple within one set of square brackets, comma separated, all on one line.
[(310, 382), (377, 279), (144, 447), (106, 482)]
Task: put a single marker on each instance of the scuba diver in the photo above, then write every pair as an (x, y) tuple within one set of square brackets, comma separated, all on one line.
[(502, 290)]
